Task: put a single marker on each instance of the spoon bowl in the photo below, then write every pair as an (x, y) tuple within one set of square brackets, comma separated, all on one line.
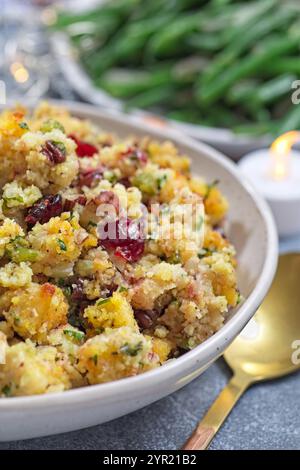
[(264, 350)]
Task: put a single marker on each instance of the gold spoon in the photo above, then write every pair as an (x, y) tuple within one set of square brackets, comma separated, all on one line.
[(266, 348)]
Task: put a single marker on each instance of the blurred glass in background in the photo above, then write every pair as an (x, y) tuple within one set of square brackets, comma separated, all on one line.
[(27, 68)]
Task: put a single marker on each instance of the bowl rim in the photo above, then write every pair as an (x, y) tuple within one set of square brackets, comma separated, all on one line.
[(203, 353)]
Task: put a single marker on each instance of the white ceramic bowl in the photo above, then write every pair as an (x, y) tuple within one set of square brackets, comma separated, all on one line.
[(251, 228)]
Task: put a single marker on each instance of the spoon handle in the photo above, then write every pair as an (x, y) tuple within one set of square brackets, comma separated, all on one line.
[(218, 412)]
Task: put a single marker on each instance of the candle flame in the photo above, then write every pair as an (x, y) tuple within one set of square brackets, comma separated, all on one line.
[(280, 154)]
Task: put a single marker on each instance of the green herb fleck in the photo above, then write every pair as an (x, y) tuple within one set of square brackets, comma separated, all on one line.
[(204, 252), (209, 187), (92, 224), (23, 125), (73, 334), (6, 390), (146, 183), (51, 124), (110, 176), (100, 330), (131, 350), (174, 259), (67, 290), (61, 147), (161, 181), (61, 244), (102, 301), (95, 359), (123, 289)]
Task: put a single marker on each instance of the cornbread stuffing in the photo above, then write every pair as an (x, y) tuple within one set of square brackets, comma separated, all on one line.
[(101, 277)]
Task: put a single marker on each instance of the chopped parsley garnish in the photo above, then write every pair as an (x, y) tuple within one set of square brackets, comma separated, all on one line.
[(61, 147), (102, 301), (131, 350), (67, 290), (99, 330), (95, 359), (205, 252), (50, 125), (23, 125), (122, 289), (210, 187), (174, 259), (6, 390), (161, 181), (146, 183), (61, 244), (92, 224), (73, 334), (110, 176)]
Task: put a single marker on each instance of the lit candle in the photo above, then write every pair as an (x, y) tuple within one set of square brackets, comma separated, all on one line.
[(275, 173)]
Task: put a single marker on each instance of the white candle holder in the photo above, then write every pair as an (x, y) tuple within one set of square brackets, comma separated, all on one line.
[(283, 195)]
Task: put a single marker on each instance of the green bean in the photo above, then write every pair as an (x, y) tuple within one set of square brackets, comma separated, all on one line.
[(186, 115), (186, 70), (247, 67), (285, 65), (123, 83), (226, 63), (291, 121), (274, 89), (168, 41), (155, 8), (117, 8), (127, 44), (254, 129), (254, 96), (152, 97), (205, 42), (242, 91), (218, 116), (241, 40)]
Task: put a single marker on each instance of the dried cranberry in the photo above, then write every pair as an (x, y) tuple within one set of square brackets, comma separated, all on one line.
[(44, 209), (136, 154), (146, 318), (108, 197), (78, 291), (125, 182), (125, 239), (70, 203), (83, 149), (90, 178), (54, 151)]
